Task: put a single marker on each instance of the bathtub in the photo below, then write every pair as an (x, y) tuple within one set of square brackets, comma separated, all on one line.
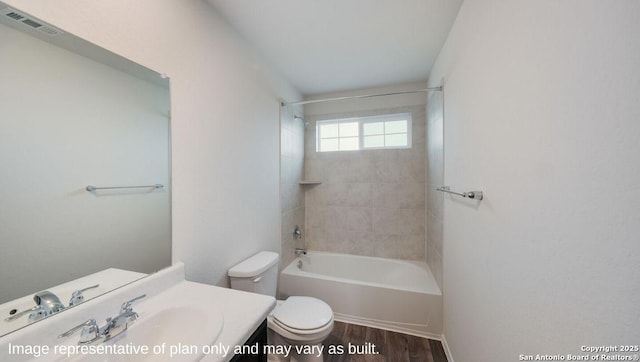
[(390, 294)]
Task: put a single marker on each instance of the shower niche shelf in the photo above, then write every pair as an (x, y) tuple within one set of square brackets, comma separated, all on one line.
[(309, 182)]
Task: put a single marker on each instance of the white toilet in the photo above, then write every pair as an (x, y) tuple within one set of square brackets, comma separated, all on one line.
[(297, 321)]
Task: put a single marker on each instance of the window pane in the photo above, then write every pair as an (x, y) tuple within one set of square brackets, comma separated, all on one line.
[(349, 129), (328, 130), (373, 128), (374, 132), (330, 144), (373, 141), (349, 144), (395, 127), (395, 140)]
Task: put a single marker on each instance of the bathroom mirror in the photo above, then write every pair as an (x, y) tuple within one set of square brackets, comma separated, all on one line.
[(74, 115)]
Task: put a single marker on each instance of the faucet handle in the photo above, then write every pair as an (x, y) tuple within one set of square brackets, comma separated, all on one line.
[(297, 233), (77, 297), (90, 331), (126, 306), (36, 313)]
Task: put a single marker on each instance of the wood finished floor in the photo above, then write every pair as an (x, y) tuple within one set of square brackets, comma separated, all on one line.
[(391, 346)]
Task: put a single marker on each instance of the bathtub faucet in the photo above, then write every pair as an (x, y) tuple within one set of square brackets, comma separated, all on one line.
[(299, 251)]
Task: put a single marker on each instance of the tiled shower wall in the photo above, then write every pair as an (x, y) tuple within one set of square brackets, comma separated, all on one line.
[(370, 202), (435, 178), (292, 201)]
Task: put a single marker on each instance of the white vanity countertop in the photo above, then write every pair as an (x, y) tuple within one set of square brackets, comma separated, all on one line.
[(243, 312), (240, 312)]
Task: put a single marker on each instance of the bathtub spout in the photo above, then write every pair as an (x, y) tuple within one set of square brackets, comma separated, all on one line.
[(299, 251)]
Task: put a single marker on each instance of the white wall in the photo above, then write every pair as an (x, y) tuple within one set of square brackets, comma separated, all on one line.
[(541, 113), (225, 121), (67, 122)]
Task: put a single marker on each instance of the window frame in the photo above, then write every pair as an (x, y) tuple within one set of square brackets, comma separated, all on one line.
[(407, 116)]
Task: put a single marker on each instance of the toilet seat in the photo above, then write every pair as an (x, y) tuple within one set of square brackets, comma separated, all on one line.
[(303, 315)]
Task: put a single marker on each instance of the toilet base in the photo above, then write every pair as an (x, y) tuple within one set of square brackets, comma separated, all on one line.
[(275, 339)]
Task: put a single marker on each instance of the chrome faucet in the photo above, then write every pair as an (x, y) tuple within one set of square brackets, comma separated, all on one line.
[(297, 234), (92, 333), (50, 302), (120, 323), (78, 297), (47, 304)]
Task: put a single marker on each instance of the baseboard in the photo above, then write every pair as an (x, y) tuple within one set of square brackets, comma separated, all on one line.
[(394, 328), (445, 346), (387, 326)]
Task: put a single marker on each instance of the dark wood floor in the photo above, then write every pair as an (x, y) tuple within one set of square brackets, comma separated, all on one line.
[(389, 346)]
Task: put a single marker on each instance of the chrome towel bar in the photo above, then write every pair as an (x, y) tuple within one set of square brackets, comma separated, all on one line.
[(475, 195), (94, 188)]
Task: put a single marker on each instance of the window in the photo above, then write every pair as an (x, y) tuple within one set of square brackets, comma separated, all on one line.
[(362, 133)]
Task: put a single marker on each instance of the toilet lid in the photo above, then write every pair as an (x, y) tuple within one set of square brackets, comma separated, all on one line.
[(303, 313)]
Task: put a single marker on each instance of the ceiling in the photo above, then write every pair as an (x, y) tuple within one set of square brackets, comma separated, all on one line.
[(323, 46)]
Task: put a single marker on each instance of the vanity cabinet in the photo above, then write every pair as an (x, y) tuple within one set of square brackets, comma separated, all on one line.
[(258, 337)]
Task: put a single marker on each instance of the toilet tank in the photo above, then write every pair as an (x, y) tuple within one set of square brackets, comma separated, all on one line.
[(258, 274)]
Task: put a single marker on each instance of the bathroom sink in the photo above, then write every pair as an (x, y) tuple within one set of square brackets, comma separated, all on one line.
[(178, 328), (182, 330), (174, 326)]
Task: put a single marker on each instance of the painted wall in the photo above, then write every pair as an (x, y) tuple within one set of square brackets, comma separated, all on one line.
[(68, 122), (370, 202), (541, 113), (225, 121)]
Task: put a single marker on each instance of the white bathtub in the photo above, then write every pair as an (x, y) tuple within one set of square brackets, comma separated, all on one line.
[(384, 293)]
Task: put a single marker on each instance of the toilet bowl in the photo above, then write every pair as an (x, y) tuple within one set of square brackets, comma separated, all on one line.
[(299, 323)]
